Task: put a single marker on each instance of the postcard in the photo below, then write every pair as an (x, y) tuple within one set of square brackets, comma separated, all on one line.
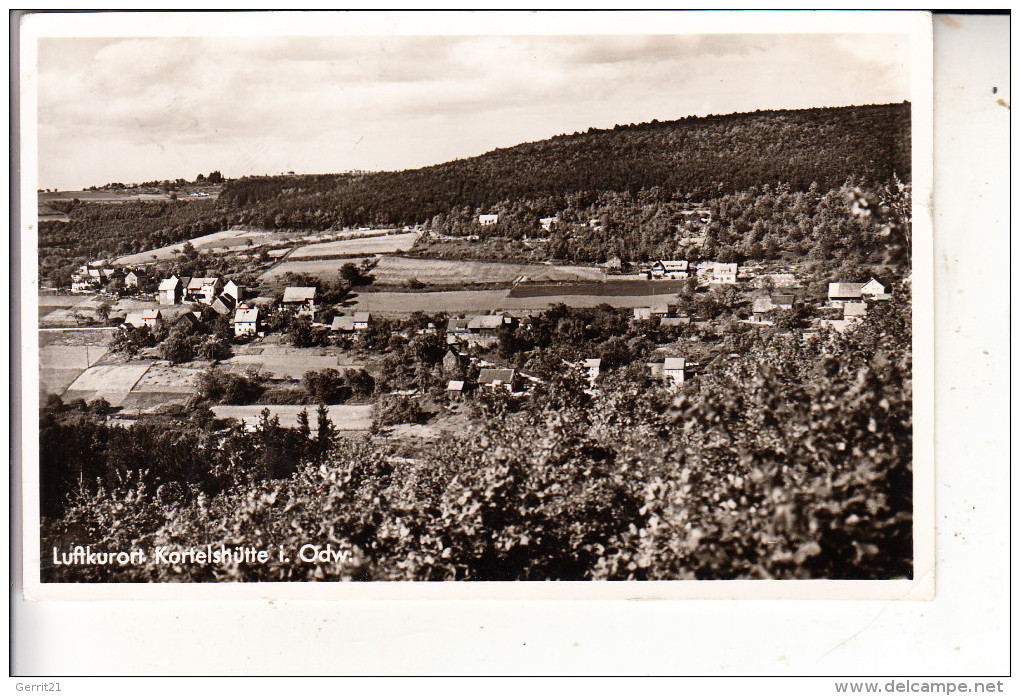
[(453, 305)]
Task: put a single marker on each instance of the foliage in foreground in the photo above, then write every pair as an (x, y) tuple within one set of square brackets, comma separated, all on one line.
[(791, 461)]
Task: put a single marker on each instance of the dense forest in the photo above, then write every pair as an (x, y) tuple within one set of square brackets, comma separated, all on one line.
[(694, 158)]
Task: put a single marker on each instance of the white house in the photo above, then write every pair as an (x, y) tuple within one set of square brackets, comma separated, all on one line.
[(300, 298), (170, 291), (669, 269), (718, 272), (234, 290), (593, 366), (486, 220), (548, 222), (673, 370), (361, 320), (246, 321), (202, 290)]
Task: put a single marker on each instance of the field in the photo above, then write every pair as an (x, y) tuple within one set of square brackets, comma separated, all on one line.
[(167, 379), (343, 417), (61, 364), (110, 382), (384, 244), (608, 288), (76, 337), (468, 301), (224, 240), (284, 366), (399, 269)]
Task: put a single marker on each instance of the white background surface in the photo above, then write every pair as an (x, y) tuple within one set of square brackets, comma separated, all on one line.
[(964, 631)]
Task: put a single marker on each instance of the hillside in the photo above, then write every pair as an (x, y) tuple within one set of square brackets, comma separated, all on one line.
[(691, 158)]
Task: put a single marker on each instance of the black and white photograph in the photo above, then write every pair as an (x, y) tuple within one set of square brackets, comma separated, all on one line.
[(373, 309)]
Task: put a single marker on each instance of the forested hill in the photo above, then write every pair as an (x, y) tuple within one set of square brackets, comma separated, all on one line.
[(694, 157)]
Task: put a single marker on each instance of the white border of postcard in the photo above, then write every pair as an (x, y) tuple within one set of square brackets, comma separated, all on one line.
[(917, 25)]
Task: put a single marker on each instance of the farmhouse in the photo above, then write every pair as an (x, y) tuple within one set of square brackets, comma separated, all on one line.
[(673, 369), (718, 272), (593, 366), (497, 378), (202, 290), (453, 363), (761, 309), (232, 289), (456, 388), (300, 299), (188, 323), (642, 314), (874, 290), (841, 293), (488, 324), (361, 320), (486, 220), (246, 321), (669, 269), (170, 291), (224, 304), (342, 324), (135, 280), (613, 264)]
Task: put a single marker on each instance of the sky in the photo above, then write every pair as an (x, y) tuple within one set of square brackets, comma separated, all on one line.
[(138, 109)]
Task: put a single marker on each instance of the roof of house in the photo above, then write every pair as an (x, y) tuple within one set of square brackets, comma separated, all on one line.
[(783, 299), (152, 314), (457, 324), (343, 324), (674, 265), (299, 294), (673, 364), (874, 285), (246, 315), (762, 304), (455, 385), (170, 283), (224, 304), (362, 317), (845, 289), (199, 283), (593, 362), (486, 321), (491, 375), (642, 312), (134, 318)]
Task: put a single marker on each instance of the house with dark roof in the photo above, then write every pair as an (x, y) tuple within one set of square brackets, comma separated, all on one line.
[(841, 293), (674, 370)]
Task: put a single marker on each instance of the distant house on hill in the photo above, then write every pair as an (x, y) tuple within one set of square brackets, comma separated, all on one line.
[(841, 293), (170, 291), (548, 222), (486, 220), (593, 366), (674, 370), (642, 314), (246, 321), (718, 272), (342, 324), (497, 378), (362, 320), (135, 280), (761, 310), (488, 323), (669, 269), (783, 301), (300, 299), (456, 388), (147, 317), (614, 264), (202, 290), (874, 290)]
